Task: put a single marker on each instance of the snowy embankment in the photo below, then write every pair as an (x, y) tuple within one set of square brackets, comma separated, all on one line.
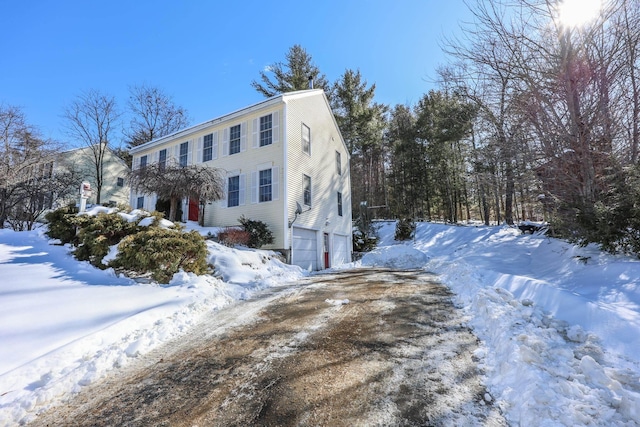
[(64, 323), (560, 324)]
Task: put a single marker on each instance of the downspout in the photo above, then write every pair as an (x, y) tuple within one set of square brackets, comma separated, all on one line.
[(288, 236)]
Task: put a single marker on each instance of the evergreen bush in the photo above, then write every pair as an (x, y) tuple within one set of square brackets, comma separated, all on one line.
[(363, 242), (365, 235), (405, 229), (98, 233), (259, 233), (162, 253), (61, 224)]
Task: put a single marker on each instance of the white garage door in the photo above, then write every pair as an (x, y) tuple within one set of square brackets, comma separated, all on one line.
[(340, 250), (305, 248)]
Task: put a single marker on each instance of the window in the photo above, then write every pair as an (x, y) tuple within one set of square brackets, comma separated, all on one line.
[(306, 139), (140, 203), (143, 162), (264, 183), (266, 130), (306, 188), (184, 152), (265, 190), (338, 163), (233, 197), (162, 160), (120, 182), (234, 139), (339, 203), (207, 148)]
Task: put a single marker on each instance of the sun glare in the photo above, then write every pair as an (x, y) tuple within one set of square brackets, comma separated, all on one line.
[(574, 13)]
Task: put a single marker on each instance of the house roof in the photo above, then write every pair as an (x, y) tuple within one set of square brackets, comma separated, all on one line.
[(196, 128)]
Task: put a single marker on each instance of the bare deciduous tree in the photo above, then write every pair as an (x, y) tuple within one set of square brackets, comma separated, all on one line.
[(174, 182), (546, 85), (91, 120), (154, 115), (28, 184)]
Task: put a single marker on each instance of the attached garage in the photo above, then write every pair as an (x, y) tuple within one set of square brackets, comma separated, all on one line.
[(340, 250), (305, 248)]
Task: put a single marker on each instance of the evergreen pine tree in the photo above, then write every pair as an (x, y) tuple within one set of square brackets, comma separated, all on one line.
[(362, 123), (291, 75)]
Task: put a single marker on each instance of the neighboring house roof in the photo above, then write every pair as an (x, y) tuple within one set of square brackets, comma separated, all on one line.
[(267, 102)]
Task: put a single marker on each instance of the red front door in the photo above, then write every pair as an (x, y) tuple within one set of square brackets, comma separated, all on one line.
[(193, 210), (325, 249)]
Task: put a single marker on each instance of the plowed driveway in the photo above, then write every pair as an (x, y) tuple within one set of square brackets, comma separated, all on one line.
[(361, 347)]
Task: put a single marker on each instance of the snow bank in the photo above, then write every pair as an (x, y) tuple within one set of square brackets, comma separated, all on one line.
[(64, 323), (398, 256), (559, 323)]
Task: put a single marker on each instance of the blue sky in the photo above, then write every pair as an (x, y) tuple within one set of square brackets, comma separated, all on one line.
[(206, 53)]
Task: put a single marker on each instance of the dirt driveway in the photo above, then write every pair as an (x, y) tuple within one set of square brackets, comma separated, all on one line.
[(362, 347)]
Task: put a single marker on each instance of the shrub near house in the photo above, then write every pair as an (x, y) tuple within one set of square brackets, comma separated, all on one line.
[(162, 253), (151, 250)]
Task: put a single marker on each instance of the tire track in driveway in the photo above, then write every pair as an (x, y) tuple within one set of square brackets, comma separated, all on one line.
[(397, 353)]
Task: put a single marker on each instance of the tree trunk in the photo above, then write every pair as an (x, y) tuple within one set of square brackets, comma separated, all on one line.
[(509, 190), (173, 209), (485, 204), (496, 190)]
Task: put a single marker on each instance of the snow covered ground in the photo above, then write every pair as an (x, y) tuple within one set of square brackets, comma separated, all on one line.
[(560, 325)]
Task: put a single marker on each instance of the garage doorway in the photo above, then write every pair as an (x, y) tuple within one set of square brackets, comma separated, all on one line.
[(304, 249)]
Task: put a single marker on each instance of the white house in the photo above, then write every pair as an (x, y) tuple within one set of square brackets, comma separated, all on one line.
[(285, 163), (81, 161)]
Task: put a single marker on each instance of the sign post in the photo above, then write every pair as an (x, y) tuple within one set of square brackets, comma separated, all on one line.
[(85, 193)]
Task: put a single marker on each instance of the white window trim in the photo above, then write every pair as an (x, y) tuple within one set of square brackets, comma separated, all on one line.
[(241, 191), (226, 136), (303, 127), (275, 183), (275, 130), (214, 147), (304, 175)]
